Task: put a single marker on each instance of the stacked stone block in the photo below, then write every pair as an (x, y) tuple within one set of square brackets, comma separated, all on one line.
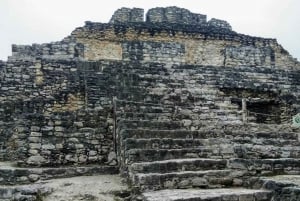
[(219, 23), (174, 15), (66, 49), (125, 15)]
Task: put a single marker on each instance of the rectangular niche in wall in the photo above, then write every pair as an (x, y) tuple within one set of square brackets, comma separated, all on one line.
[(261, 106)]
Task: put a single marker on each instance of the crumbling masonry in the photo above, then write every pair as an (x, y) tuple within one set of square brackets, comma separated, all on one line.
[(183, 107)]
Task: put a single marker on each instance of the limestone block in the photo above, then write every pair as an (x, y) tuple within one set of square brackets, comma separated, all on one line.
[(33, 177), (96, 50), (35, 145), (48, 147), (36, 160), (34, 139), (33, 151), (199, 182)]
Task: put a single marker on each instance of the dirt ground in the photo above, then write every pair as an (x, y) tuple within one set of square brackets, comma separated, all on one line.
[(88, 188)]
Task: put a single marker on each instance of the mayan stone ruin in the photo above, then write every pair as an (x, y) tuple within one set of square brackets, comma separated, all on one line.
[(167, 107)]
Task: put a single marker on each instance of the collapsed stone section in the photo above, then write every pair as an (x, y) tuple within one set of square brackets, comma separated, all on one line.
[(175, 15), (219, 23), (128, 15), (66, 49), (168, 15)]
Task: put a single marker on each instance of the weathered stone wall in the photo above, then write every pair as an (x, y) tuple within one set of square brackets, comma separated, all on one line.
[(63, 50), (96, 50), (56, 99), (174, 15), (208, 93), (124, 15), (219, 23), (70, 120), (249, 55), (46, 118), (200, 45)]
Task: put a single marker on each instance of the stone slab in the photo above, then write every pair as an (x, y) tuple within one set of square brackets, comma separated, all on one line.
[(207, 194)]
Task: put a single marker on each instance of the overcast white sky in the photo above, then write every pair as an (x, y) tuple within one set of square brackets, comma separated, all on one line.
[(42, 21)]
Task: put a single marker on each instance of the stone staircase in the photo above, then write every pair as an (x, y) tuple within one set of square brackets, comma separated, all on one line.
[(164, 159)]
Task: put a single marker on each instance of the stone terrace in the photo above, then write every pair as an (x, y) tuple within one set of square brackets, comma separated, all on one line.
[(215, 162)]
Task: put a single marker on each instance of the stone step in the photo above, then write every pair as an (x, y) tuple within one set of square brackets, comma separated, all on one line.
[(164, 116), (250, 151), (183, 179), (221, 194), (149, 155), (222, 151), (23, 192), (153, 125), (279, 166), (284, 131), (12, 175), (148, 133), (175, 165), (265, 141), (124, 107), (205, 133), (137, 94), (287, 186), (173, 143)]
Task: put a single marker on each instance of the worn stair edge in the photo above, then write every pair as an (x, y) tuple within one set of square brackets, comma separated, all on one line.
[(145, 114), (204, 134), (184, 164), (215, 152), (151, 124), (169, 143), (143, 155), (290, 165), (172, 143), (285, 187), (271, 130), (186, 179), (230, 194)]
